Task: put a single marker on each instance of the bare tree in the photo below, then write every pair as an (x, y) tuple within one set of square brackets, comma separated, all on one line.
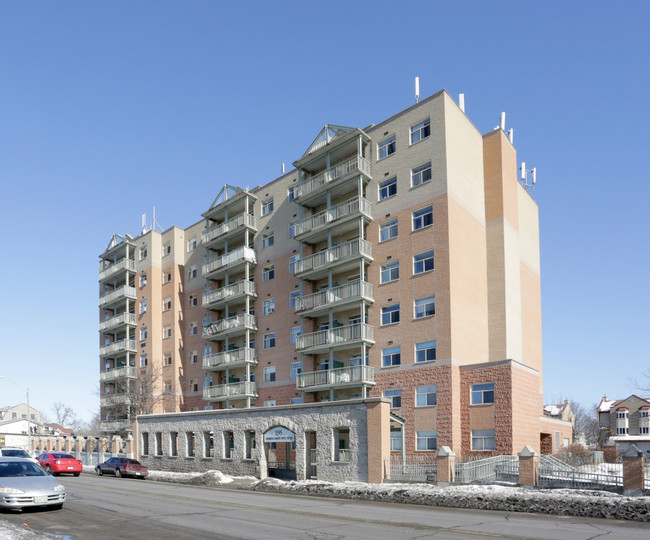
[(63, 415), (586, 423), (641, 384)]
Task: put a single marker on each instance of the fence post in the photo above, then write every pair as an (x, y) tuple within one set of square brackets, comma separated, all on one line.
[(129, 446), (528, 467), (116, 442), (446, 466), (633, 472), (67, 444)]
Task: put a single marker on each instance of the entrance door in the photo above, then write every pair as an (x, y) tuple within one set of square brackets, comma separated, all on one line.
[(280, 447)]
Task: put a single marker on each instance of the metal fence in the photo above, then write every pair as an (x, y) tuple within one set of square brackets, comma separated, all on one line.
[(414, 469), (484, 470)]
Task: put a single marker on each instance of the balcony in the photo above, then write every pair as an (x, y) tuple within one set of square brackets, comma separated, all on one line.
[(118, 295), (340, 338), (238, 324), (230, 391), (336, 297), (345, 255), (115, 426), (219, 233), (122, 319), (114, 400), (123, 345), (343, 216), (229, 261), (310, 190), (124, 372), (229, 293), (230, 359), (336, 378), (115, 268)]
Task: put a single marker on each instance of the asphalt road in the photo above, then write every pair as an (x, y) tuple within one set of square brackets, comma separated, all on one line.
[(106, 508)]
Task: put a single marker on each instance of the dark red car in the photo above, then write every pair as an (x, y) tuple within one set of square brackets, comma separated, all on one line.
[(56, 463), (122, 467)]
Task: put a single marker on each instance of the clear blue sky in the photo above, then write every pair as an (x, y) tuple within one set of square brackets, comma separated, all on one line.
[(106, 108)]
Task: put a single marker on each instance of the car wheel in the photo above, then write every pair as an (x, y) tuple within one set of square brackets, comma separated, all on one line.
[(77, 474), (118, 473), (98, 471)]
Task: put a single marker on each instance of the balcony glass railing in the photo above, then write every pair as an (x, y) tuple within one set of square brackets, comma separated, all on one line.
[(244, 321), (240, 287), (237, 390), (336, 254), (228, 226), (345, 376), (229, 358), (240, 254), (349, 291), (124, 264), (114, 399), (122, 345), (122, 318), (122, 292), (344, 209), (335, 336), (118, 425), (344, 168), (128, 372)]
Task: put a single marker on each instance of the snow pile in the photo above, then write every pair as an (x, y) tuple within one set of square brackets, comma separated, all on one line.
[(208, 478), (9, 531)]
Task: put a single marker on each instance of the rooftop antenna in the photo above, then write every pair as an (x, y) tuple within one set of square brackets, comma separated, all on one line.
[(503, 121), (417, 89), (283, 168), (461, 102), (511, 135), (155, 222), (144, 223), (526, 174)]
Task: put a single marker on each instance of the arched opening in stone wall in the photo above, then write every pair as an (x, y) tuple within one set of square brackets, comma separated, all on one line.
[(280, 450)]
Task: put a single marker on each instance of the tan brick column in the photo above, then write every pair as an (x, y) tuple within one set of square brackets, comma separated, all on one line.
[(633, 472), (67, 444), (528, 467), (58, 444), (102, 444), (78, 444), (115, 445), (129, 446), (446, 466), (378, 429)]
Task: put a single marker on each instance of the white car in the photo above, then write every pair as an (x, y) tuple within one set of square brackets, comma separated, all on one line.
[(23, 484), (12, 451)]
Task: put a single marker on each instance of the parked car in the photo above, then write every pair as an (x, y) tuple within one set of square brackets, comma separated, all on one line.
[(122, 467), (12, 451), (24, 483), (56, 462)]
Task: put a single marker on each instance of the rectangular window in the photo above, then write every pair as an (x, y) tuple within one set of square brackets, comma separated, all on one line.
[(390, 272), (386, 148), (267, 206), (395, 440), (421, 174), (296, 401), (159, 444), (267, 240), (228, 444), (145, 444), (269, 374), (193, 300), (293, 334), (250, 444), (395, 397), (143, 307), (193, 357), (482, 394), (292, 193), (483, 440), (423, 262), (269, 403), (423, 218), (143, 360), (193, 328), (173, 443), (296, 369), (167, 332), (388, 188), (208, 442), (425, 307), (269, 340), (143, 334), (391, 357), (167, 277), (292, 228), (292, 299), (292, 263), (425, 396), (191, 272), (167, 304), (390, 314), (143, 280), (425, 351), (193, 385), (143, 254), (167, 359), (191, 244), (420, 131), (268, 273), (166, 249), (268, 307), (388, 230), (426, 440)]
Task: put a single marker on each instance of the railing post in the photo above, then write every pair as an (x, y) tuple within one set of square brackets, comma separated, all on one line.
[(446, 466), (633, 472), (528, 467)]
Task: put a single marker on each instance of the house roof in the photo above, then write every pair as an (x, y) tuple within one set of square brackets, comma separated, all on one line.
[(607, 405)]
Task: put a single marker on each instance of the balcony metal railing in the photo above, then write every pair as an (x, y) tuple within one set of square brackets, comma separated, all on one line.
[(124, 372), (349, 291), (127, 345), (124, 291), (334, 255), (345, 376), (239, 287), (228, 358), (244, 321), (236, 390), (228, 226), (346, 208), (124, 264), (114, 399), (348, 166), (335, 336), (242, 253), (122, 318)]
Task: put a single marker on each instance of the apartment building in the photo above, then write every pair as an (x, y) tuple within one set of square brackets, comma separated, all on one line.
[(400, 260), (626, 422)]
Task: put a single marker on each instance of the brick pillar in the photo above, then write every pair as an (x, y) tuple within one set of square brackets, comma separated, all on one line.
[(67, 444), (378, 430), (116, 444), (528, 467), (633, 472), (57, 444), (102, 444), (446, 467), (78, 445), (129, 447)]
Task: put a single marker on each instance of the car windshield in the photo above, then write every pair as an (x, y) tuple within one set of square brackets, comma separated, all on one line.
[(15, 453), (25, 468), (63, 456)]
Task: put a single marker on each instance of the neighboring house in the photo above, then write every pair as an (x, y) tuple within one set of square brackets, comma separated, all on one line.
[(565, 421), (15, 423), (626, 421), (58, 430), (18, 412)]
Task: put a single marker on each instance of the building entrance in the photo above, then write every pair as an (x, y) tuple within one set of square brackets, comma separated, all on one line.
[(280, 448)]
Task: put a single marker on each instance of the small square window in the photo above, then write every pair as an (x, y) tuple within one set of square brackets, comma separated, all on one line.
[(143, 280), (193, 300), (268, 240), (388, 230), (167, 304), (143, 254), (143, 360), (425, 396), (391, 357), (423, 262), (143, 307), (296, 369), (483, 439), (421, 174), (395, 440), (167, 277), (425, 351), (426, 440), (395, 397), (386, 147), (425, 307), (193, 328), (390, 314), (390, 272), (191, 245), (388, 188), (191, 272), (269, 306), (267, 206), (422, 218), (193, 357), (268, 273), (483, 394), (270, 403), (269, 340), (269, 374), (420, 131), (167, 332)]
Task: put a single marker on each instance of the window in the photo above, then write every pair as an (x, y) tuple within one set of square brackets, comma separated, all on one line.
[(191, 244), (143, 307), (143, 360), (388, 188), (390, 272), (292, 299), (143, 333), (292, 193), (228, 444), (422, 218), (267, 206), (482, 439), (269, 403), (423, 262), (193, 328), (269, 340), (391, 357), (193, 357), (425, 396), (269, 374), (167, 277), (395, 440), (292, 263), (420, 131), (166, 249), (167, 332), (143, 280), (293, 334), (143, 253), (269, 306), (193, 300), (421, 174), (395, 397), (167, 304), (296, 369), (426, 440), (425, 351), (207, 382), (386, 148), (191, 272), (296, 401), (267, 240), (425, 307), (167, 359), (388, 230), (268, 273), (292, 228), (482, 394), (194, 385), (390, 314)]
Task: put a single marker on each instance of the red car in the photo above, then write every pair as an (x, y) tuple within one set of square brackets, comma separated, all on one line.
[(122, 467), (56, 462)]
